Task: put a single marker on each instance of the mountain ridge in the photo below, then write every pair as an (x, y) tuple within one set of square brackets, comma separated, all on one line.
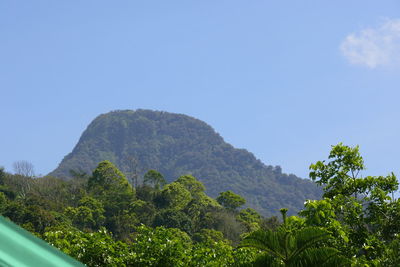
[(177, 144)]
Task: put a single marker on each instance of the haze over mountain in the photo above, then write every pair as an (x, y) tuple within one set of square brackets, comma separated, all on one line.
[(176, 144)]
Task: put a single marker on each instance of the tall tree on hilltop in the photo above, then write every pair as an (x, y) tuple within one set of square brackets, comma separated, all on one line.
[(110, 186), (154, 178), (230, 200)]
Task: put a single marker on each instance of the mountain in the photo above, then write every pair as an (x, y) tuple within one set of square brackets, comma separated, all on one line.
[(176, 144)]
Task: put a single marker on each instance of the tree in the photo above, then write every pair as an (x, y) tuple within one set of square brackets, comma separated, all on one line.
[(93, 249), (199, 211), (160, 247), (339, 175), (24, 168), (54, 191), (293, 248), (225, 222), (2, 176), (89, 213), (133, 168), (354, 208), (213, 253), (271, 223), (171, 218), (109, 185), (230, 200), (78, 174), (250, 218), (4, 188), (174, 196), (321, 213), (154, 178), (195, 187), (3, 202), (145, 211), (209, 236)]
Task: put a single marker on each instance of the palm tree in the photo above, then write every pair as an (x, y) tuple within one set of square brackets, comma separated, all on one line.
[(288, 247)]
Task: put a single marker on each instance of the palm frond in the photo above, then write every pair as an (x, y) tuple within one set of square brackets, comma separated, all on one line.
[(301, 248), (268, 241), (323, 256), (308, 237)]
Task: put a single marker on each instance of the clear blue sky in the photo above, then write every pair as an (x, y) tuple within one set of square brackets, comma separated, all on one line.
[(283, 79)]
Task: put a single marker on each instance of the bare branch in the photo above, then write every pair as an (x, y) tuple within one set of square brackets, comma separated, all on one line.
[(24, 168)]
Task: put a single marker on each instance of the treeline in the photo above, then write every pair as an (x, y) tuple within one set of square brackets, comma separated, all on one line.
[(101, 220)]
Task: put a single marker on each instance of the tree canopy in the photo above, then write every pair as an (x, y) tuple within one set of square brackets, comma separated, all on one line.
[(101, 220)]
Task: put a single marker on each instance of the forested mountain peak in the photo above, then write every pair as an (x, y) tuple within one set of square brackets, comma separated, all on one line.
[(177, 144)]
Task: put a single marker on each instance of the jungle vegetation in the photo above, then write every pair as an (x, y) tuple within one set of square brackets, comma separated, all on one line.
[(102, 219)]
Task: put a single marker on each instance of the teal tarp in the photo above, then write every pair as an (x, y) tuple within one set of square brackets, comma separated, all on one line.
[(18, 247)]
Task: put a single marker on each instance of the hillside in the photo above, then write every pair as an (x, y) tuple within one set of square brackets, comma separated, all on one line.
[(176, 144)]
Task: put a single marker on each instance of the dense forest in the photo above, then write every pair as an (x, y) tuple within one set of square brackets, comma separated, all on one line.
[(102, 219), (175, 145)]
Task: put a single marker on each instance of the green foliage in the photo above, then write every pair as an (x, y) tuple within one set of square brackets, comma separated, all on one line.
[(2, 176), (3, 202), (230, 200), (109, 185), (15, 210), (154, 178), (209, 236), (39, 217), (391, 255), (321, 213), (212, 254), (173, 218), (160, 247), (145, 211), (359, 212), (245, 256), (294, 248), (271, 223), (33, 214), (200, 210), (250, 218), (98, 220), (122, 225), (226, 222), (195, 187), (344, 165), (107, 177), (92, 249), (89, 214), (174, 196), (146, 193), (55, 192), (176, 145)]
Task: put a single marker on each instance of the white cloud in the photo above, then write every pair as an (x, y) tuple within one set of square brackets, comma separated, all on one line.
[(373, 47)]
